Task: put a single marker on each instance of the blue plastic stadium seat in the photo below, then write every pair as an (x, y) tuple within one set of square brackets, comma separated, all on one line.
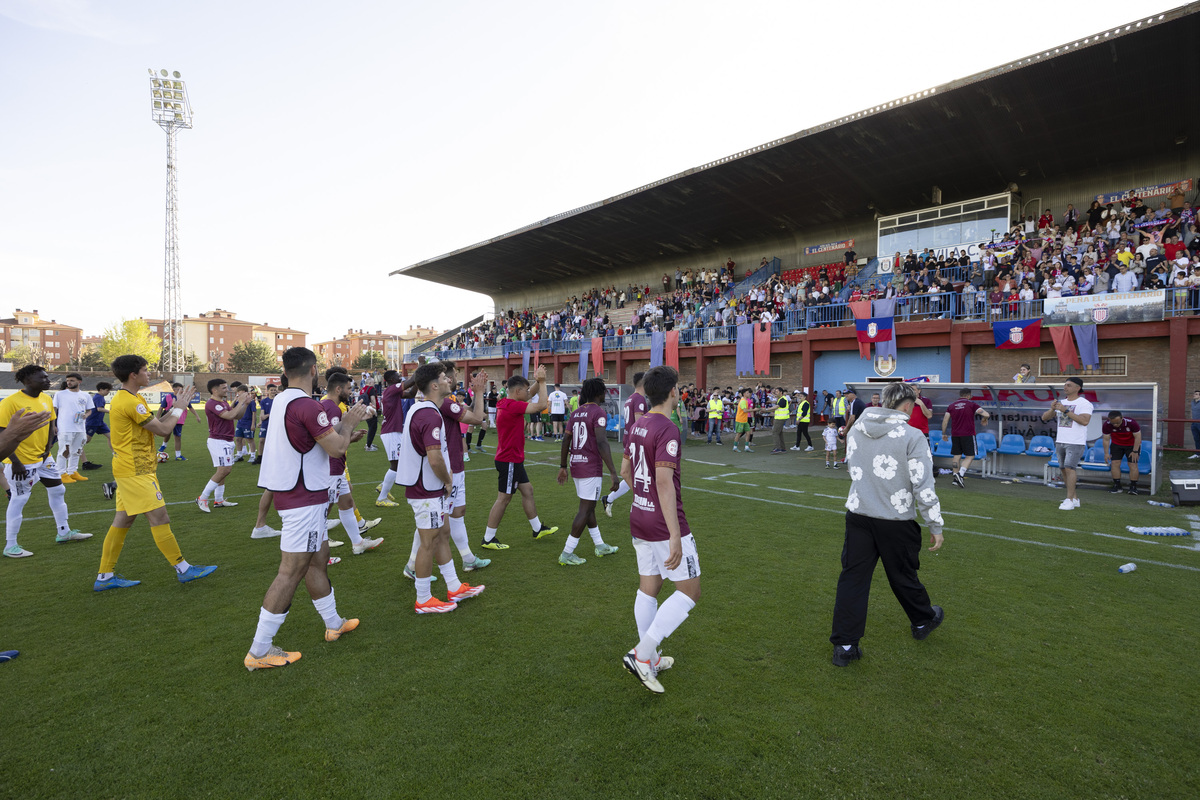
[(1093, 459), (942, 448), (985, 442), (935, 436), (1012, 444), (1041, 441), (1143, 461)]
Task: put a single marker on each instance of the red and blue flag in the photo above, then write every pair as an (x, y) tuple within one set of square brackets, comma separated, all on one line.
[(1017, 333)]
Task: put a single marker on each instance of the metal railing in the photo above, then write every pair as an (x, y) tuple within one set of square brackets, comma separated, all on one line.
[(944, 305)]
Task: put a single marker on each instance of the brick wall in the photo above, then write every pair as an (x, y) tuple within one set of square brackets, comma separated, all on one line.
[(1146, 361), (721, 372)]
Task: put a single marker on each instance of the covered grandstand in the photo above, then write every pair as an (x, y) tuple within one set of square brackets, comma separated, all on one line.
[(1030, 134)]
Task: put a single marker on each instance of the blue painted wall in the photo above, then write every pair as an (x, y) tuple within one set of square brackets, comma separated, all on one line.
[(832, 371)]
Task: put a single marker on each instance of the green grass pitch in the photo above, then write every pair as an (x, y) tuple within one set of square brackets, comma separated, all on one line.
[(1054, 675)]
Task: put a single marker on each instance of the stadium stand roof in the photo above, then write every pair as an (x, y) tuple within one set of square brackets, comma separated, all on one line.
[(1045, 114)]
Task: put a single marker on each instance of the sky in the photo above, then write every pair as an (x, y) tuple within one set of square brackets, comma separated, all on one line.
[(336, 142)]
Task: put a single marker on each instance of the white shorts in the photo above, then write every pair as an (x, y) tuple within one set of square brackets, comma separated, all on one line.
[(491, 417), (391, 445), (304, 529), (338, 486), (830, 448), (46, 470), (589, 488), (430, 512), (458, 491), (652, 556), (72, 442), (222, 456)]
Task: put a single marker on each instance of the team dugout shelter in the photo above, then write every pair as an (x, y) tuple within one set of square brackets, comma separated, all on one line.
[(937, 168)]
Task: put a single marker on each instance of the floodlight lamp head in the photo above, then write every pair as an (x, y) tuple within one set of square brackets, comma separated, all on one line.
[(162, 72), (176, 74)]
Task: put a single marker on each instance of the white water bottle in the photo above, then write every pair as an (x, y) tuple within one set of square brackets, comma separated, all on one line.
[(1130, 567)]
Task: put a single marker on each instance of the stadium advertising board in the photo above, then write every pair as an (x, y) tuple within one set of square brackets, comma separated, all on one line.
[(1158, 190), (844, 244), (1086, 309)]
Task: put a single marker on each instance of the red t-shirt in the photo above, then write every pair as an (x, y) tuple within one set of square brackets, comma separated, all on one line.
[(393, 419), (425, 432), (585, 448), (510, 431), (305, 423), (917, 418), (452, 413), (962, 417), (1122, 436), (218, 428), (334, 412), (654, 442)]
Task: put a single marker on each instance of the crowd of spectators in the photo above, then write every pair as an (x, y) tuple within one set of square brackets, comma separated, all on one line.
[(1119, 247)]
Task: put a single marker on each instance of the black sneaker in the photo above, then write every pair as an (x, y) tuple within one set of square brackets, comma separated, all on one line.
[(90, 465), (545, 531), (1134, 490), (842, 657), (1116, 489), (957, 480), (921, 631)]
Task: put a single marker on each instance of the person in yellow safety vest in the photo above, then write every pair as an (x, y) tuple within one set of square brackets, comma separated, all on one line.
[(716, 411), (782, 415), (803, 417), (840, 407)]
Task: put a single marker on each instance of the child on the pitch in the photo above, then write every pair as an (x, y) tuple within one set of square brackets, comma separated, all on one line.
[(830, 435), (662, 539), (586, 443)]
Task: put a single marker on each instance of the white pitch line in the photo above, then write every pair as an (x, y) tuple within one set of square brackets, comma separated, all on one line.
[(960, 530), (830, 496), (1047, 527), (739, 483), (782, 489), (957, 514), (1078, 550), (709, 463)]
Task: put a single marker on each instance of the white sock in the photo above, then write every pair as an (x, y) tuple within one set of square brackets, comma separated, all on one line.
[(451, 575), (489, 534), (268, 626), (572, 543), (219, 494), (670, 616), (350, 523), (644, 609), (458, 534), (179, 454), (58, 506), (103, 576), (596, 538), (536, 522), (412, 556), (962, 471), (13, 516), (61, 462), (209, 488), (389, 480), (327, 608), (183, 566), (423, 592), (622, 489)]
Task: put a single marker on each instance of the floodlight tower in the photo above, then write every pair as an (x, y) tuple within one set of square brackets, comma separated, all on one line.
[(171, 109)]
